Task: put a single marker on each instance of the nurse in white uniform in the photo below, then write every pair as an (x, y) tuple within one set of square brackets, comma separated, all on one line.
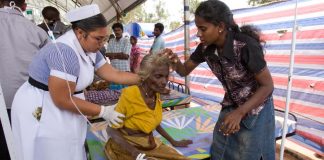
[(45, 122)]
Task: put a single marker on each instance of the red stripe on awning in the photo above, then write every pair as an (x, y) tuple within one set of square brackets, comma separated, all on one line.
[(301, 109), (299, 59), (284, 13), (309, 34), (312, 137)]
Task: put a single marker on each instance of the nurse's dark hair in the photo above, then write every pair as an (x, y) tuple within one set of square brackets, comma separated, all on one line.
[(215, 12), (91, 23)]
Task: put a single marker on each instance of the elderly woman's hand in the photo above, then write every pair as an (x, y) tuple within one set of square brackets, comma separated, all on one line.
[(181, 143)]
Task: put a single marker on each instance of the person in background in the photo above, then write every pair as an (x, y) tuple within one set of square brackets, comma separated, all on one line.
[(158, 44), (134, 55), (111, 36), (118, 52), (20, 40), (142, 106), (49, 111), (103, 49), (52, 19), (245, 129)]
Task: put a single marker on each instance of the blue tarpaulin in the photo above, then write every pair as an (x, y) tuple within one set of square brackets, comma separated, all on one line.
[(140, 29)]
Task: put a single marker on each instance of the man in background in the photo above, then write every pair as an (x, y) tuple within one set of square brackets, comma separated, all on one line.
[(20, 39), (158, 43), (53, 20), (118, 51)]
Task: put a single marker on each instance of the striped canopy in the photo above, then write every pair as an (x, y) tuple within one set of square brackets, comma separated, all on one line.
[(276, 23), (109, 8)]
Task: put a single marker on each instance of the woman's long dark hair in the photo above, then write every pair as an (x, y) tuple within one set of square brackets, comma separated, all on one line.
[(90, 24), (215, 12)]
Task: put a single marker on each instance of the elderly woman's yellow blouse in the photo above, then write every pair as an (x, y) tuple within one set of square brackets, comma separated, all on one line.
[(138, 116)]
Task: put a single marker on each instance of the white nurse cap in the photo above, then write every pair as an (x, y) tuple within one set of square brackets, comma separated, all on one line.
[(82, 12)]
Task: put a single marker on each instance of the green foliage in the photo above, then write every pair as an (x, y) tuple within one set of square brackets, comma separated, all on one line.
[(139, 14), (174, 25), (193, 4), (161, 12), (134, 15)]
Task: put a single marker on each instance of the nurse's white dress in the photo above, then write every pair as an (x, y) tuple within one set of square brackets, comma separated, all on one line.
[(60, 134)]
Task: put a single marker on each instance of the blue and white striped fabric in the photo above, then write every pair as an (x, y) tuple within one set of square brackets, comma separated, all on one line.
[(48, 61)]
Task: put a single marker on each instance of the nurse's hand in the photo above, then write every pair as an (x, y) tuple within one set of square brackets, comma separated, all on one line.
[(110, 115), (181, 143)]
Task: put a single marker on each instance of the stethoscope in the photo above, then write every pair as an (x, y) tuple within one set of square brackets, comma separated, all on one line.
[(12, 5)]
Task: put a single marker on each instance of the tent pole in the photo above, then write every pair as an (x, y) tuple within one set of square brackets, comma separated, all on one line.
[(291, 69), (186, 39), (6, 127)]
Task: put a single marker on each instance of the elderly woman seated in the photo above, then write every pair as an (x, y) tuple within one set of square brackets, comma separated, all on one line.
[(142, 108)]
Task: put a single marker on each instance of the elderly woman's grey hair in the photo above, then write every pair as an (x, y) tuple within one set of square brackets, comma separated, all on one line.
[(150, 62)]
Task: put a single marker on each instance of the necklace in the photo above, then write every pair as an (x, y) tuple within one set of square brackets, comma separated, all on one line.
[(147, 96)]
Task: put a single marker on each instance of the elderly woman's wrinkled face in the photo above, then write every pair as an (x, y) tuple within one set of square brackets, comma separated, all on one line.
[(158, 78)]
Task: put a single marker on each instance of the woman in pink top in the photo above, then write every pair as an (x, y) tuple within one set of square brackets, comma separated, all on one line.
[(134, 55)]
